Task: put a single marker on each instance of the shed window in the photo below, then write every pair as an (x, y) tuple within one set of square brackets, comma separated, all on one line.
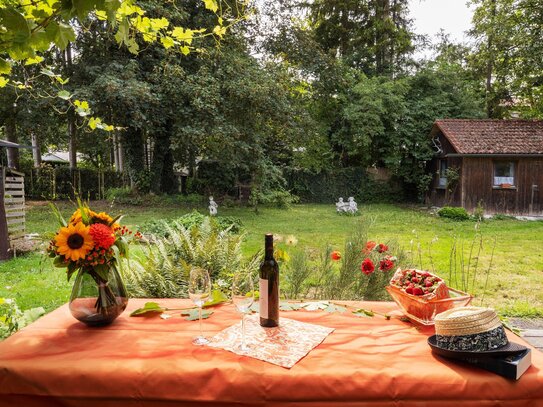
[(442, 173), (504, 174)]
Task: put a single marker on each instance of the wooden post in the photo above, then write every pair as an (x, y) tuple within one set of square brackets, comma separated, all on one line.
[(5, 252)]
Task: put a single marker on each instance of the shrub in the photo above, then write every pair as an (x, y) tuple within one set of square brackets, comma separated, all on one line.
[(163, 268), (12, 318), (454, 213)]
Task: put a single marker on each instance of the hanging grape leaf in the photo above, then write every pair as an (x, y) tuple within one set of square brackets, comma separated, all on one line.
[(192, 314), (289, 306), (363, 313), (148, 307), (335, 308)]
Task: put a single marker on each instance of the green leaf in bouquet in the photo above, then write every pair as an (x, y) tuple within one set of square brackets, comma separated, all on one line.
[(123, 246), (147, 308), (115, 219), (59, 262), (72, 268), (217, 297), (102, 270), (58, 215), (363, 313), (289, 306), (192, 314)]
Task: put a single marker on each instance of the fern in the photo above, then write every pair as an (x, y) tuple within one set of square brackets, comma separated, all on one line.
[(163, 268)]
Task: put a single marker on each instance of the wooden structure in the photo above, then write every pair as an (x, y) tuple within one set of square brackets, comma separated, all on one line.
[(494, 163), (14, 202)]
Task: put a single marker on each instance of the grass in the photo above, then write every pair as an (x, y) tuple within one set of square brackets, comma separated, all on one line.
[(515, 285)]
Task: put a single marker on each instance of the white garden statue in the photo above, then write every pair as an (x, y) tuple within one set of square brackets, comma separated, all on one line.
[(340, 205), (352, 206), (212, 207), (349, 207)]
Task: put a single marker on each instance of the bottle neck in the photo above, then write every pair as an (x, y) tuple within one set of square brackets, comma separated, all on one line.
[(268, 247)]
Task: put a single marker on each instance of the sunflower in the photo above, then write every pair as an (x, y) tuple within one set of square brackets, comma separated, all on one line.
[(74, 241), (103, 218), (76, 217)]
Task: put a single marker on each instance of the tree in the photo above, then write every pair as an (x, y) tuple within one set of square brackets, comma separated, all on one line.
[(507, 55)]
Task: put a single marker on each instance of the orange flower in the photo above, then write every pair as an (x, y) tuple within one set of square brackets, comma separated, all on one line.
[(369, 247), (102, 235), (335, 255)]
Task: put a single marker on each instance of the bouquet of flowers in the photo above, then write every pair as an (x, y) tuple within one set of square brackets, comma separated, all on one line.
[(92, 243)]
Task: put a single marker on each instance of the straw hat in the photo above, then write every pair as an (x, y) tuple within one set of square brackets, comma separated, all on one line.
[(472, 329)]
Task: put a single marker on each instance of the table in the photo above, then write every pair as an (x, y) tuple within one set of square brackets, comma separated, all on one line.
[(57, 361)]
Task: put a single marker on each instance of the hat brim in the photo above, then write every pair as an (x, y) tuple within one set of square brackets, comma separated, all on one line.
[(510, 349)]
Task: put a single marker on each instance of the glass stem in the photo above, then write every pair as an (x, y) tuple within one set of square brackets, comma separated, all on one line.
[(243, 331), (200, 319)]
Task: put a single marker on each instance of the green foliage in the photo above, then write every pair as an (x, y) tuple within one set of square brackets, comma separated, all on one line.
[(123, 196), (162, 227), (163, 268), (12, 318), (454, 213), (326, 186), (269, 187)]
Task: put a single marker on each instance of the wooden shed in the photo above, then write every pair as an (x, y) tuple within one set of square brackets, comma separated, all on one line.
[(495, 163)]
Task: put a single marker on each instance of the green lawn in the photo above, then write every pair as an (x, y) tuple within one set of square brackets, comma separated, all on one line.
[(515, 285)]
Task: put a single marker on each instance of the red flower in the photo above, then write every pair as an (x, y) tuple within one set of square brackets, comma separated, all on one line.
[(367, 266), (102, 235), (382, 248), (386, 264), (369, 247), (335, 255)]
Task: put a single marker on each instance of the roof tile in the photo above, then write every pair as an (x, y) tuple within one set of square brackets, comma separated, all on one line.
[(472, 136)]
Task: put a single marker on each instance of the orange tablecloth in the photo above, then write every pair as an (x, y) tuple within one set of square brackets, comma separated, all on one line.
[(57, 361)]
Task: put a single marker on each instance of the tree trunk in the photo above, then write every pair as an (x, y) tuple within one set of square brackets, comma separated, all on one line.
[(11, 135), (490, 64), (72, 128), (5, 252), (132, 141), (36, 152)]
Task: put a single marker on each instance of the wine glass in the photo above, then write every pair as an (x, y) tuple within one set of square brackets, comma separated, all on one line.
[(199, 293), (243, 296)]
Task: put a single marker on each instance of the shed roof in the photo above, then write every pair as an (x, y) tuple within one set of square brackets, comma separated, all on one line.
[(489, 136)]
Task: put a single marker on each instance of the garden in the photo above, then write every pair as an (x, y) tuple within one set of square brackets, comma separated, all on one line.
[(320, 252)]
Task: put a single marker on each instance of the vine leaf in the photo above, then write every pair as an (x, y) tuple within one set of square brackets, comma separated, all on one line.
[(289, 306), (217, 297), (148, 307), (335, 308), (315, 306), (363, 313), (192, 314)]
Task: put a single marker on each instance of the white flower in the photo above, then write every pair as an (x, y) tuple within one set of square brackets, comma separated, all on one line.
[(291, 240), (277, 238)]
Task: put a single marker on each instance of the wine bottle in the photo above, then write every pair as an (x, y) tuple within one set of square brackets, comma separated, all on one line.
[(269, 286)]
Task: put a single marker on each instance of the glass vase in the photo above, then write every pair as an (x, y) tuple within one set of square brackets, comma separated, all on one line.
[(97, 299)]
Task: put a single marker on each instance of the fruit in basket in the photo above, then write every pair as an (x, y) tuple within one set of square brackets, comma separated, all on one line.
[(421, 292)]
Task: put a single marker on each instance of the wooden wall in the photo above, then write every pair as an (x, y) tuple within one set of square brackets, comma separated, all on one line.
[(477, 180)]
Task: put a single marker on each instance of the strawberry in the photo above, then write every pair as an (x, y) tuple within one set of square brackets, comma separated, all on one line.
[(409, 289), (428, 283), (417, 291), (415, 280)]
